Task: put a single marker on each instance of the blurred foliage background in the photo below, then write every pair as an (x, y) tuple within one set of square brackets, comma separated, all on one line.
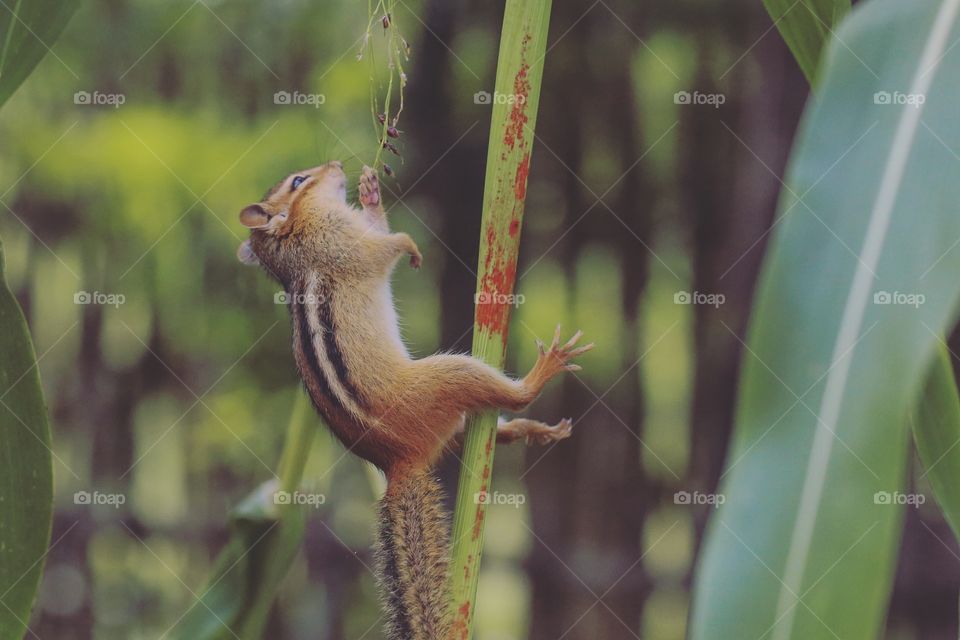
[(173, 387)]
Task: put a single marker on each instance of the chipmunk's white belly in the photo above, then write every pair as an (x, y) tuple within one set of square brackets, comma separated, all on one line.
[(388, 314)]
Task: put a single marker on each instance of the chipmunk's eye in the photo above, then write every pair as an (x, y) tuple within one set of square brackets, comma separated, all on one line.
[(297, 182)]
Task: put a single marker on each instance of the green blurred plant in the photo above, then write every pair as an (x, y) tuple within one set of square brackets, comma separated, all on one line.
[(28, 30), (519, 73), (936, 431), (382, 15), (832, 372), (806, 26), (267, 530), (26, 467)]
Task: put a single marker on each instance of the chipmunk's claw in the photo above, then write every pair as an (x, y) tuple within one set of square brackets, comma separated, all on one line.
[(544, 434), (558, 358)]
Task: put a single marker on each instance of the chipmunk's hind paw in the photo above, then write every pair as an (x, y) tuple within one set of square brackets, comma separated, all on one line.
[(545, 434), (534, 431), (557, 358)]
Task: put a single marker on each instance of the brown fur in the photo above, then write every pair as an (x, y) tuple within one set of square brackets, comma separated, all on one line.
[(335, 261), (411, 557)]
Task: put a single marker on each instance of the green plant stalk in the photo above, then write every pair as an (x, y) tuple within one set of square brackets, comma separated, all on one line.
[(264, 540), (519, 73), (301, 431)]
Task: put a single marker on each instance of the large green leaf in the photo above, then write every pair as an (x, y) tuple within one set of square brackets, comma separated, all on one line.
[(804, 546), (26, 474), (28, 29), (265, 538), (805, 26), (936, 430)]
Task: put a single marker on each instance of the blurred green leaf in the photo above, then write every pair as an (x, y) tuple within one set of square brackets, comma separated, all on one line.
[(264, 540), (805, 26), (855, 290), (28, 28), (26, 472), (936, 430)]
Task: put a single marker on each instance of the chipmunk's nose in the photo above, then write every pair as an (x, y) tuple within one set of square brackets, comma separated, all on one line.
[(337, 164)]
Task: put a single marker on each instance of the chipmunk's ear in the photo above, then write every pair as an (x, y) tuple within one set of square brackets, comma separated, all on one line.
[(246, 255), (254, 216)]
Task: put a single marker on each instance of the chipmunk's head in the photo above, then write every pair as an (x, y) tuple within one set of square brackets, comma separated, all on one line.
[(288, 215)]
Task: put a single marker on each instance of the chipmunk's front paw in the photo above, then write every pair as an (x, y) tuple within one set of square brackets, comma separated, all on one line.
[(557, 358), (416, 259), (369, 188)]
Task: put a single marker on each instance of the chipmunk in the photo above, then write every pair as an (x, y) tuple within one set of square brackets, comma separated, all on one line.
[(334, 261)]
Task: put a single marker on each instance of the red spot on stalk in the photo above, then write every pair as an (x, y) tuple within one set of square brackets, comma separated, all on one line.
[(478, 522), (518, 118), (520, 181), (496, 285), (500, 264), (493, 310), (461, 624), (466, 568)]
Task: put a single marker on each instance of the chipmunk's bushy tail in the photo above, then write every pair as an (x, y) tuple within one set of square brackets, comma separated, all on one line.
[(412, 550)]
